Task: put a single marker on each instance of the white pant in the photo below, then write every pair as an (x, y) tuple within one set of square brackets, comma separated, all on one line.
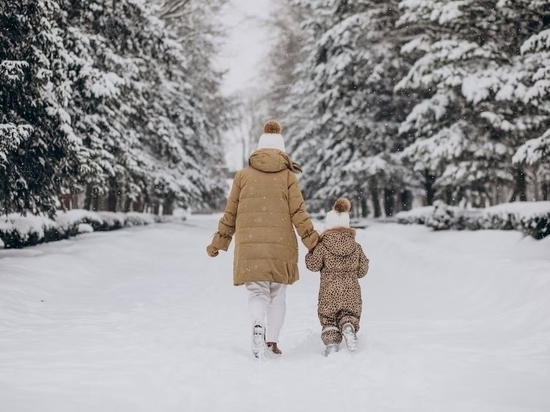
[(267, 299)]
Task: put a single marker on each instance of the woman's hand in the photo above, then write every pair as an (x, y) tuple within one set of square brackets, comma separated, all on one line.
[(212, 251)]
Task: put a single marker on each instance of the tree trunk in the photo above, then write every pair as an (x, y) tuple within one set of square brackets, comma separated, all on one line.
[(74, 200), (364, 207), (127, 204), (536, 187), (375, 200), (112, 199), (156, 207), (429, 180), (449, 198), (168, 205), (138, 205), (520, 187), (66, 201), (389, 202), (545, 191), (88, 198), (405, 198), (95, 200)]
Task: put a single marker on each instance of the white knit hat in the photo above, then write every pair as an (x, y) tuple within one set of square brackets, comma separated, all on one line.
[(272, 138), (339, 216)]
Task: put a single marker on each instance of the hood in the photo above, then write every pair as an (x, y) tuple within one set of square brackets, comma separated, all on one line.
[(272, 161), (340, 242)]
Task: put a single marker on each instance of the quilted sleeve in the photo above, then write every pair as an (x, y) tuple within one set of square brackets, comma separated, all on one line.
[(315, 259), (298, 214), (363, 263), (226, 226)]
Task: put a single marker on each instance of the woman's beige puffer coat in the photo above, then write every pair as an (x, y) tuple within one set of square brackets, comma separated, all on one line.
[(264, 206)]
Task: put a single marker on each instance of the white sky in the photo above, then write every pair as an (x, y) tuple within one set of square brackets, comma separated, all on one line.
[(247, 42)]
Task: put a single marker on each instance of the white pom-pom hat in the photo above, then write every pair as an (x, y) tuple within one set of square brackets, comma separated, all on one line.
[(339, 215), (272, 137)]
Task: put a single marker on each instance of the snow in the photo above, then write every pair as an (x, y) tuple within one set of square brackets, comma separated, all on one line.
[(452, 321), (533, 150), (85, 228), (72, 217), (417, 215), (523, 210), (537, 42)]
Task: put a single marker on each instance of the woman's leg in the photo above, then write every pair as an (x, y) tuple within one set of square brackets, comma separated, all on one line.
[(258, 301), (276, 311)]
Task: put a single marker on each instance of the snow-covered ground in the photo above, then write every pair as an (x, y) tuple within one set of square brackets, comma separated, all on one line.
[(142, 320)]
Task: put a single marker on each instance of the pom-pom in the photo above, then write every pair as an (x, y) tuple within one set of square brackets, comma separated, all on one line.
[(342, 205), (273, 127)]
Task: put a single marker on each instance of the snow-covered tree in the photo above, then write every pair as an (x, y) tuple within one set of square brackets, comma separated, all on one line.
[(346, 114), (197, 28), (472, 116), (39, 152), (140, 105), (105, 97), (284, 57), (536, 152)]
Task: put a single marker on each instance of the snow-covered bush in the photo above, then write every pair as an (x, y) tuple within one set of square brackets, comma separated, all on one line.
[(139, 219), (85, 228), (69, 221), (415, 216), (442, 217), (531, 218), (445, 217), (18, 231), (112, 221)]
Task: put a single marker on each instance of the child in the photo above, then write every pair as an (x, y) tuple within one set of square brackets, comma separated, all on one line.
[(341, 261), (264, 207)]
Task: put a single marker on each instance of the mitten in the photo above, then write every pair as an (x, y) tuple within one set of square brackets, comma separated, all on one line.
[(212, 251)]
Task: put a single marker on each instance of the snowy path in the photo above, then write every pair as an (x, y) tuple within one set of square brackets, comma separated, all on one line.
[(109, 321)]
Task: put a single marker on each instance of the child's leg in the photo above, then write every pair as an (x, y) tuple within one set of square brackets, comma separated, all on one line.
[(330, 333), (347, 318), (258, 301), (351, 305), (276, 311)]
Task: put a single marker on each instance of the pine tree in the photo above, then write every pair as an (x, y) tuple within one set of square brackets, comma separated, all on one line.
[(469, 73), (39, 151), (535, 153), (197, 29), (103, 96), (284, 57), (345, 109)]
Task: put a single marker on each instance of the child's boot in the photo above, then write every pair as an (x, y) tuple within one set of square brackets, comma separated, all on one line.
[(331, 348), (258, 341), (350, 336)]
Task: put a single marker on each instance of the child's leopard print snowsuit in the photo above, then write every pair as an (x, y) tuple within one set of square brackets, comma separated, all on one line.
[(341, 261)]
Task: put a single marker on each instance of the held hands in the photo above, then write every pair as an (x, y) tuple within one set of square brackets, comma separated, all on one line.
[(212, 251)]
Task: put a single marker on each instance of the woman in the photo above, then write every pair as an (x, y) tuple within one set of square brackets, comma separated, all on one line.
[(264, 206)]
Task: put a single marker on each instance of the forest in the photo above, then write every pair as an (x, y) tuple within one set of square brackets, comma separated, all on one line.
[(109, 105), (116, 105), (406, 102)]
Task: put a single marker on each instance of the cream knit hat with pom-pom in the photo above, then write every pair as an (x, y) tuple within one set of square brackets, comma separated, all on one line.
[(272, 138), (339, 215)]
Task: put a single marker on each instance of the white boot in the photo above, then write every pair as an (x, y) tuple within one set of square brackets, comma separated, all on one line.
[(259, 346), (350, 336)]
